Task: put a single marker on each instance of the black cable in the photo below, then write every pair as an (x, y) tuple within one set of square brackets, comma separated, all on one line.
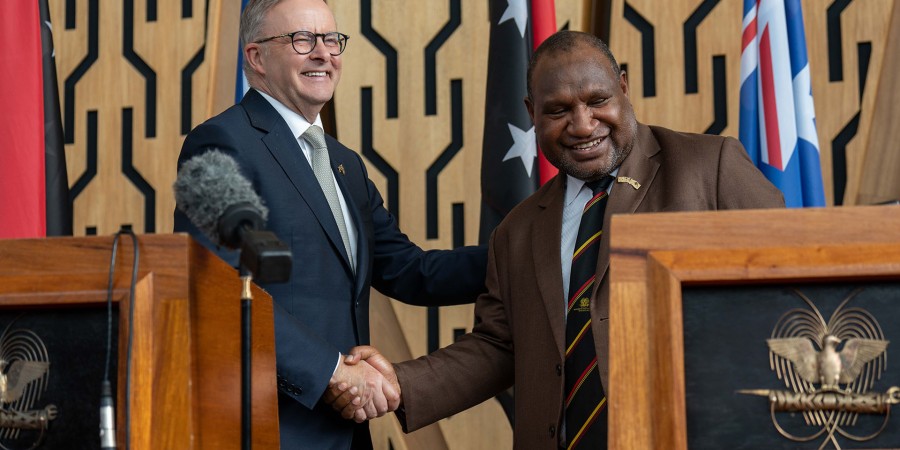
[(109, 289), (134, 273), (107, 405), (106, 398)]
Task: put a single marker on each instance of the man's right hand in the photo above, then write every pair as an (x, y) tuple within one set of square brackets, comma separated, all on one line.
[(348, 399)]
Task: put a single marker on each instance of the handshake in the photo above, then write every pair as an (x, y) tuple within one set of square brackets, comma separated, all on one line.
[(364, 386)]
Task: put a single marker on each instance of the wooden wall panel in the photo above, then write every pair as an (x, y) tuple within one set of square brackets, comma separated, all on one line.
[(135, 77), (419, 126), (845, 85), (215, 80), (879, 180), (121, 66), (421, 140), (847, 47)]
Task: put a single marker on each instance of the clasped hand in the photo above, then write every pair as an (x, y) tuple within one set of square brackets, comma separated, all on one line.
[(364, 386)]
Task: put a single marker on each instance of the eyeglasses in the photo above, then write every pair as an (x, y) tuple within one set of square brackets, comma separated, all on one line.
[(305, 41)]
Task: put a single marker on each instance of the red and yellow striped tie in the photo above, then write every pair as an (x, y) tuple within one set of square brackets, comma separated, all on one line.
[(585, 400)]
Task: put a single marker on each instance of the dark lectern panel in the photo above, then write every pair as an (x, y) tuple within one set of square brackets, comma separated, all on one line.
[(75, 340), (725, 332)]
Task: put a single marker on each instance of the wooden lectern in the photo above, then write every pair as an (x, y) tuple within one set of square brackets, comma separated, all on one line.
[(186, 364), (655, 256)]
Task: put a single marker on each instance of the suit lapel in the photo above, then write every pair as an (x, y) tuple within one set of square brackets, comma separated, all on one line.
[(545, 240), (286, 151), (355, 205), (640, 166)]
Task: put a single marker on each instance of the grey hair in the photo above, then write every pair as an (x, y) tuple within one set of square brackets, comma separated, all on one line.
[(252, 20)]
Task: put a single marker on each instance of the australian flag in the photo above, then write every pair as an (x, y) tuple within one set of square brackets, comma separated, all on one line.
[(777, 119)]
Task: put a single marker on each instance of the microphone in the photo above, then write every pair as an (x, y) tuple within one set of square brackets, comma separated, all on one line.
[(222, 204), (107, 418)]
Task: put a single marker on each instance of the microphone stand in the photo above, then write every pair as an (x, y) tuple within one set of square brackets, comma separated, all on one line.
[(246, 366), (268, 260)]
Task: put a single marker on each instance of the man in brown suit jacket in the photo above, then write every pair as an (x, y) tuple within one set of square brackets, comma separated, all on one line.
[(578, 100)]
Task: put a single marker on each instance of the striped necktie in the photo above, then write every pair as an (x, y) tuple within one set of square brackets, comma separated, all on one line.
[(585, 400)]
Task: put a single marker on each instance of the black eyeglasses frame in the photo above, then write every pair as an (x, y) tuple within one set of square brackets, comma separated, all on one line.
[(342, 40)]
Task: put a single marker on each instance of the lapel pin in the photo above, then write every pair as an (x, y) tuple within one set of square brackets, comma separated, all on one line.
[(630, 181), (341, 169)]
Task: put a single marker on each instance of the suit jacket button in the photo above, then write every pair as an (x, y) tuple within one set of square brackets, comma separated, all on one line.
[(559, 369), (552, 431)]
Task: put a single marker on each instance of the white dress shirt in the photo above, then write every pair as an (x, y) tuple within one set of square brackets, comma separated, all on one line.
[(577, 195)]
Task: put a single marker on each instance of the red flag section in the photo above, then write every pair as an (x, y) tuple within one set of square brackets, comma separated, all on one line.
[(22, 189), (543, 24)]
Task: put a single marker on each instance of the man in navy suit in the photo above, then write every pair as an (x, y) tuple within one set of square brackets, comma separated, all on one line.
[(292, 59)]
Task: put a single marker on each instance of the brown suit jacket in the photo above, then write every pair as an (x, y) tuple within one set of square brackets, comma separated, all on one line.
[(519, 332)]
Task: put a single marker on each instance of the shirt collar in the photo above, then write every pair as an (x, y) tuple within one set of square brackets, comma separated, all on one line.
[(574, 185), (297, 123)]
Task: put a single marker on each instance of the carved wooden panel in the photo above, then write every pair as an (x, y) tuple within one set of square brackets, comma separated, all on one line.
[(135, 77), (683, 61), (411, 101), (125, 71)]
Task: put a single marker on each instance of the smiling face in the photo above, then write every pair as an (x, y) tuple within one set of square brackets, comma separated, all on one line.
[(583, 119), (303, 83)]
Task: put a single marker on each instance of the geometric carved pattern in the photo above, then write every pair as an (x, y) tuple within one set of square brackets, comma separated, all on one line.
[(406, 105), (411, 101), (846, 37), (648, 49), (389, 53), (690, 44), (375, 159), (126, 75), (431, 54), (136, 76)]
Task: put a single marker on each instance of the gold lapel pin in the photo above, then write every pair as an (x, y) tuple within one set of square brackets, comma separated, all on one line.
[(341, 169), (630, 181)]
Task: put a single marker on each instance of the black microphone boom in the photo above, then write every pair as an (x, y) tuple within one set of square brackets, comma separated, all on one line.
[(222, 204)]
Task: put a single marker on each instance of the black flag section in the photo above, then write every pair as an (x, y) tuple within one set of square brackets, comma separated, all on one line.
[(508, 132), (59, 208)]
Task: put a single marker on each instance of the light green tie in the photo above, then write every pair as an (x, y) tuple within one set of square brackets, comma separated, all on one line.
[(322, 168)]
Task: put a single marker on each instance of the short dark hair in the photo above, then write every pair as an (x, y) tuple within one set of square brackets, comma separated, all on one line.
[(565, 41)]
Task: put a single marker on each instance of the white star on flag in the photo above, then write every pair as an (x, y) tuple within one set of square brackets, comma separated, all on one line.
[(523, 147), (518, 11), (806, 113)]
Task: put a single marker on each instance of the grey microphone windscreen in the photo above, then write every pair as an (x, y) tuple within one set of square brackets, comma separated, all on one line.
[(207, 185)]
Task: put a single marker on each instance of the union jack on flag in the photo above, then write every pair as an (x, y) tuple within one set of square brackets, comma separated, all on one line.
[(777, 119)]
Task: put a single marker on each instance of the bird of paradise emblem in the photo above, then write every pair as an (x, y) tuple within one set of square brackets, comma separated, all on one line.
[(24, 372), (830, 368)]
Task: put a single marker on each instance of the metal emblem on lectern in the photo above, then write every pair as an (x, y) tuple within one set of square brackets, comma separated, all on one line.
[(24, 372), (829, 367)]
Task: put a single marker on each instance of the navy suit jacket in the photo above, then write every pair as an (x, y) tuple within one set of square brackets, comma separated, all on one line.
[(324, 308)]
